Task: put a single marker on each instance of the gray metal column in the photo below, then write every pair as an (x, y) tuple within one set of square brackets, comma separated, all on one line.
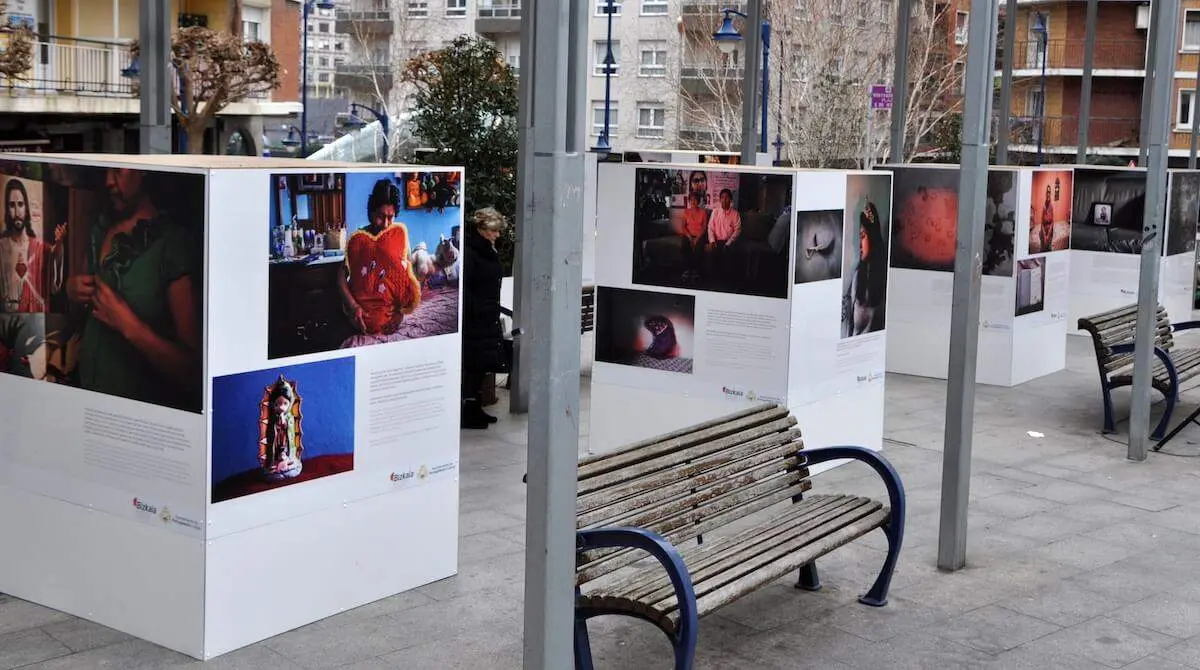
[(556, 32), (1147, 83), (900, 79), (968, 273), (1166, 15), (1085, 95), (1004, 120), (751, 62), (1195, 119), (518, 378), (155, 78)]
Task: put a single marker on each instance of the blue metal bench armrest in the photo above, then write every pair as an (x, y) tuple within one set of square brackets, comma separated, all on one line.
[(663, 551), (885, 470), (1186, 325), (1159, 352)]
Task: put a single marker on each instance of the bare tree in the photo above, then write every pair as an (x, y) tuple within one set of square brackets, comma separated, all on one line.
[(936, 88), (710, 90), (16, 60)]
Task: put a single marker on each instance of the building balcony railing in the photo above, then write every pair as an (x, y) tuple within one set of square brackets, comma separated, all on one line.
[(359, 21), (1068, 54), (364, 77), (709, 7), (498, 9), (1064, 131), (65, 65)]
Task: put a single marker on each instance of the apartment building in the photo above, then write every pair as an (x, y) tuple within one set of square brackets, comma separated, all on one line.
[(1119, 73), (76, 98), (327, 49)]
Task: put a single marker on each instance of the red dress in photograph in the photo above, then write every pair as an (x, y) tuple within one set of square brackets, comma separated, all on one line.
[(381, 277)]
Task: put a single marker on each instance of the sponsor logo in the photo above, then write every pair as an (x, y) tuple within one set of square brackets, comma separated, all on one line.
[(732, 392), (1126, 291), (422, 472), (165, 515), (142, 506), (398, 477), (444, 467), (875, 376), (860, 378)]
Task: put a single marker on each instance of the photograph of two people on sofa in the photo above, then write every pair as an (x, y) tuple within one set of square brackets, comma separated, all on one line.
[(713, 231)]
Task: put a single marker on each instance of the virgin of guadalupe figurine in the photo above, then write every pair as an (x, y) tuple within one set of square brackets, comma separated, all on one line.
[(280, 435)]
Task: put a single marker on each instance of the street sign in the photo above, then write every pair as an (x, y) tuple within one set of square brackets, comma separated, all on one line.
[(881, 97)]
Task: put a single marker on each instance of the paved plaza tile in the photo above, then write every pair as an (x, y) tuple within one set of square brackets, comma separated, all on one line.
[(1076, 558)]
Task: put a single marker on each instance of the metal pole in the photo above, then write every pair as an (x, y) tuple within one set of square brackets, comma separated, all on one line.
[(750, 66), (1085, 95), (1195, 118), (1042, 102), (766, 83), (779, 109), (968, 272), (900, 80), (304, 75), (557, 33), (604, 143), (154, 39), (867, 136), (1003, 127), (1147, 85), (1156, 192), (518, 380), (383, 125)]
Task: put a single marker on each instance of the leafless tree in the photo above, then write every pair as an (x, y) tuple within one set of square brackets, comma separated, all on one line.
[(937, 81), (16, 60)]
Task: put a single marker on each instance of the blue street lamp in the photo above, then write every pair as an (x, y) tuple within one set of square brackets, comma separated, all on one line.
[(356, 122), (134, 71), (308, 7), (1039, 26), (294, 138), (603, 145), (727, 39)]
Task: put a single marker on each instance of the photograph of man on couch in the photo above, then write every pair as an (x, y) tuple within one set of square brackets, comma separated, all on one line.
[(713, 231)]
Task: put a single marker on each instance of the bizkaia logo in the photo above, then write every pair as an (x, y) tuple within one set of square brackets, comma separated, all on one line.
[(141, 506), (398, 477), (732, 392)]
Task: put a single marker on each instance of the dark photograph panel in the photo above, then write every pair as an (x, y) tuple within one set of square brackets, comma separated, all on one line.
[(711, 230), (819, 245), (1184, 212), (645, 329), (1108, 208)]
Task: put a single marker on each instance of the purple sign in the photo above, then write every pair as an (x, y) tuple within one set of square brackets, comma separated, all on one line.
[(881, 97)]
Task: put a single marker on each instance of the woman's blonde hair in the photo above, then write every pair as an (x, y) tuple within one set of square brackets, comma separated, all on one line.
[(490, 220)]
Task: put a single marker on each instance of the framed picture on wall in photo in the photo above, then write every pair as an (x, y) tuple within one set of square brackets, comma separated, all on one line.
[(1102, 214)]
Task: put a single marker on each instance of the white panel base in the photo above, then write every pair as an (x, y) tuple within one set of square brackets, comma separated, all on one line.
[(123, 574), (1102, 281)]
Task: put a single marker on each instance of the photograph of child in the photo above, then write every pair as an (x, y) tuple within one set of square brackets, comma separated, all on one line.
[(1050, 212), (865, 262), (116, 293), (283, 426), (645, 329), (713, 230), (380, 272)]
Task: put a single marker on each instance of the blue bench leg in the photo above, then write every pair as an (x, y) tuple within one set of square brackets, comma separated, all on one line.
[(809, 579), (583, 647), (877, 596), (685, 646), (1109, 424), (1166, 415)]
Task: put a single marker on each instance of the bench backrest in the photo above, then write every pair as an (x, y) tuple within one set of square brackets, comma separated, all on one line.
[(588, 310), (692, 481), (1117, 326)]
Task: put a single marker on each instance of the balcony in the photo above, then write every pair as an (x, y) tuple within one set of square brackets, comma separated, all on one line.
[(498, 16), (67, 66), (709, 8), (1123, 55), (364, 22), (1063, 131), (710, 80), (364, 77)]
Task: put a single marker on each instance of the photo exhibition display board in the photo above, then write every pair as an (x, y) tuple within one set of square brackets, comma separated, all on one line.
[(231, 390), (702, 304), (1106, 240), (1025, 265)]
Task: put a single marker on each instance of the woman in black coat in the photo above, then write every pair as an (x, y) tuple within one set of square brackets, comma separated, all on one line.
[(482, 335)]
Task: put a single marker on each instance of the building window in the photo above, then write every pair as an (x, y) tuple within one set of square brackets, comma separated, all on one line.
[(323, 77), (960, 71), (418, 9), (652, 120), (456, 7), (250, 31), (652, 59), (885, 11), (1033, 103), (961, 22), (339, 46), (1187, 107), (598, 118), (1191, 30), (323, 27), (654, 7), (601, 6), (600, 50), (323, 61)]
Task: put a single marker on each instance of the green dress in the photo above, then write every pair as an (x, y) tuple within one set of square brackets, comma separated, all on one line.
[(140, 266)]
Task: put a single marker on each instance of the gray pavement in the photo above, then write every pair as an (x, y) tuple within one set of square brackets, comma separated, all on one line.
[(1077, 559)]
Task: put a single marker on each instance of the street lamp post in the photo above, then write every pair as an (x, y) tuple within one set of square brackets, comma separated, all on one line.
[(778, 143), (603, 143), (727, 39), (1040, 27), (308, 7), (356, 121)]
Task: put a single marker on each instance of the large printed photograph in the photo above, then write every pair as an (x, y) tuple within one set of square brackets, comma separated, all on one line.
[(1107, 210), (101, 279), (819, 245), (1050, 211), (645, 329), (358, 259), (1184, 212), (927, 217), (865, 261), (713, 230)]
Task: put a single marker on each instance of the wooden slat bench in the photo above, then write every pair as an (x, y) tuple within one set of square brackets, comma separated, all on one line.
[(588, 310), (1113, 336), (741, 480)]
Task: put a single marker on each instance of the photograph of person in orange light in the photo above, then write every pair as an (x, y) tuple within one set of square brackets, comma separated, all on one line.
[(1050, 215), (379, 286)]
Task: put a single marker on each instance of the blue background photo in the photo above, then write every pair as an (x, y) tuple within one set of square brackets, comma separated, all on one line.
[(422, 226), (327, 392)]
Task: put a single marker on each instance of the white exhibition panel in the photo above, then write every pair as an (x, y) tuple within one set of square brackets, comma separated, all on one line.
[(745, 347), (162, 522)]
